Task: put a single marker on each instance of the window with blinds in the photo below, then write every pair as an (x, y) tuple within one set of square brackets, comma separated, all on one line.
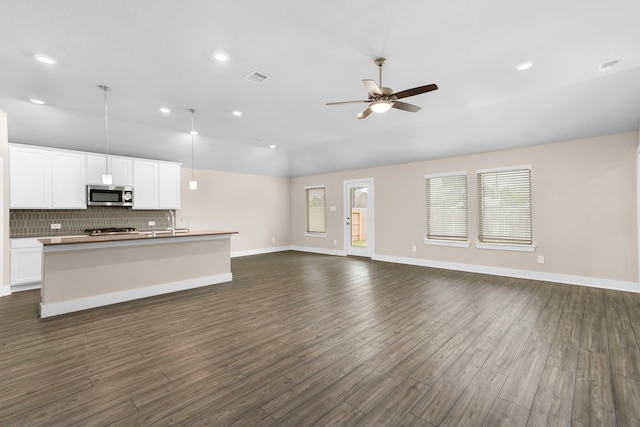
[(504, 206), (446, 197), (315, 210)]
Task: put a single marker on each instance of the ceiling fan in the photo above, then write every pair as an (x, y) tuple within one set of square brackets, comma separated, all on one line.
[(382, 98)]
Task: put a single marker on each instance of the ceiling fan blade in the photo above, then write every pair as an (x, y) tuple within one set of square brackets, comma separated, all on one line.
[(406, 106), (372, 87), (365, 114), (345, 102), (415, 91)]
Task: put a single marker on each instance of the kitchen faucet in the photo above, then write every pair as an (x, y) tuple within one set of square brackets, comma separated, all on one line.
[(171, 216)]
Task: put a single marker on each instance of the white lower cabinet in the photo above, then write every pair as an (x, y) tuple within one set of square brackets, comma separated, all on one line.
[(26, 263)]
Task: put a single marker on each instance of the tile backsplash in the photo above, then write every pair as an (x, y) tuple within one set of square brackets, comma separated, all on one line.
[(37, 222)]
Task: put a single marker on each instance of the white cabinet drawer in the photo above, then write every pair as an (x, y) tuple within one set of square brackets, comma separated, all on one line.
[(27, 242)]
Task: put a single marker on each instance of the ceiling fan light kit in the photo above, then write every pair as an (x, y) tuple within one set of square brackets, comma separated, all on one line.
[(380, 106), (382, 99)]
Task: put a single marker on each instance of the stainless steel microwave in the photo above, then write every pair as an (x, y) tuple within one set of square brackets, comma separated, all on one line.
[(109, 195)]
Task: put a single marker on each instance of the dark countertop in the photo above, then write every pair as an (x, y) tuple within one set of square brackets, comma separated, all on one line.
[(74, 239)]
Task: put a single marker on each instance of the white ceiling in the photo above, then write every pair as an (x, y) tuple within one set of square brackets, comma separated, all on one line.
[(156, 53)]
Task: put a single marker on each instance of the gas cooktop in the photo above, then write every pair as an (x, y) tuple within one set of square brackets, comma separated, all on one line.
[(110, 230)]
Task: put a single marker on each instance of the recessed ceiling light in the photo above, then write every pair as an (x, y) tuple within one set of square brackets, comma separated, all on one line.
[(220, 56), (272, 146), (45, 59), (524, 66), (237, 113), (607, 66), (165, 110), (37, 101), (194, 132)]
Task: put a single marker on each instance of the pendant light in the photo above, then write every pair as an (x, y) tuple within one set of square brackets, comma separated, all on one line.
[(193, 184), (107, 178)]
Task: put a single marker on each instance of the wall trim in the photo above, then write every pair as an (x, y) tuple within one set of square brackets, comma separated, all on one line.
[(335, 252), (5, 291), (617, 285), (235, 254), (638, 203), (54, 309)]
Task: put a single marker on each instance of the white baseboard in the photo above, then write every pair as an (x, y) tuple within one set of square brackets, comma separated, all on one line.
[(318, 250), (54, 309), (27, 287), (288, 248), (617, 285), (260, 251), (5, 290)]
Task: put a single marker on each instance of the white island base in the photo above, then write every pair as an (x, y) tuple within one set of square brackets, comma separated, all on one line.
[(89, 272)]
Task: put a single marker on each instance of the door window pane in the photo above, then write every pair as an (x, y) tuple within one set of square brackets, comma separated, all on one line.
[(359, 220)]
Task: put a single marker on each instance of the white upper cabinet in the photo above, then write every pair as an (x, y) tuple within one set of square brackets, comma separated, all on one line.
[(96, 166), (121, 168), (29, 178), (168, 185), (145, 184), (69, 175), (44, 178), (156, 185)]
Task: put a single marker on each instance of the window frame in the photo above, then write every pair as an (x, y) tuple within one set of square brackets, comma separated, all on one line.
[(505, 246), (307, 232), (453, 242)]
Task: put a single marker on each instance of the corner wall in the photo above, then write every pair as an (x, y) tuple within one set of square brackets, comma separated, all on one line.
[(584, 213), (5, 288), (256, 206)]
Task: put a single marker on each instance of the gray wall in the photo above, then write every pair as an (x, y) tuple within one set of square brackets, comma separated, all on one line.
[(584, 210)]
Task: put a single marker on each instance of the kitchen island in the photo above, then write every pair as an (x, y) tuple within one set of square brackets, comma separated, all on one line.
[(82, 272)]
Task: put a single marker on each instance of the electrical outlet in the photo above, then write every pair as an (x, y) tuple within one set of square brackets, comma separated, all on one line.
[(56, 226), (540, 259), (332, 209), (335, 242), (151, 223), (413, 249), (273, 240)]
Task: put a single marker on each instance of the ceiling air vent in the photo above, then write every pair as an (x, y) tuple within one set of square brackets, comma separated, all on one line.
[(256, 77)]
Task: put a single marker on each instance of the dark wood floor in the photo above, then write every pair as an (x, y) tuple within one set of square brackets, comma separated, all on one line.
[(301, 339)]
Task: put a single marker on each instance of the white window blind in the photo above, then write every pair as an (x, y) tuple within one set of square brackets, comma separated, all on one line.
[(315, 210), (446, 197), (504, 206)]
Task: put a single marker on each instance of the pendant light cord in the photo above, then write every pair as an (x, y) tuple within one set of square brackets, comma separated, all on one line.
[(106, 127), (193, 174)]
